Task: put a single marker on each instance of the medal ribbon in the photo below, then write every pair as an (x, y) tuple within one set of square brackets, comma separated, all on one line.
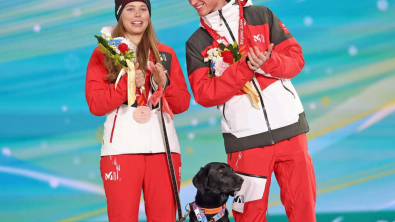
[(242, 25), (160, 93), (143, 92), (247, 88), (131, 75), (155, 98)]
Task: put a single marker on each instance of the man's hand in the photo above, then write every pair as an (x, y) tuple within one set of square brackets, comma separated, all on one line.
[(258, 58), (159, 74), (140, 77)]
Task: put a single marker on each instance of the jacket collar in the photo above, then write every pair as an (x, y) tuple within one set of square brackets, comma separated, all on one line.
[(230, 12), (107, 31)]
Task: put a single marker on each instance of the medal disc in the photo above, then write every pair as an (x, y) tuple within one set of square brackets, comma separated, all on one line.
[(142, 114)]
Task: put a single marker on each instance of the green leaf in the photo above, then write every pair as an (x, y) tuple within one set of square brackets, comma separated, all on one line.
[(222, 46), (116, 62), (235, 45), (235, 53), (103, 50), (230, 47), (102, 42)]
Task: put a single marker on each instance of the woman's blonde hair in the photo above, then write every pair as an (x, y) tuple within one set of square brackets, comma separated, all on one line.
[(148, 41)]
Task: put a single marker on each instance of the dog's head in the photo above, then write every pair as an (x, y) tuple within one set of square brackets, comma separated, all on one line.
[(217, 178)]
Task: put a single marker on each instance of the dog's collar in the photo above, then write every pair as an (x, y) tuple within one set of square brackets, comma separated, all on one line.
[(200, 212), (208, 210)]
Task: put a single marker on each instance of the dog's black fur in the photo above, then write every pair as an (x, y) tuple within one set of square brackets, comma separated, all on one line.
[(215, 182)]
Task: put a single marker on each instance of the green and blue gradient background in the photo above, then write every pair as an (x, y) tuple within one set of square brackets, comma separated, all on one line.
[(50, 143)]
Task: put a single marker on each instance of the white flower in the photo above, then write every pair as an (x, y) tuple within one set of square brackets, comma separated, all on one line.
[(217, 59), (206, 59), (210, 52), (216, 53), (122, 57), (105, 34), (217, 73), (117, 51)]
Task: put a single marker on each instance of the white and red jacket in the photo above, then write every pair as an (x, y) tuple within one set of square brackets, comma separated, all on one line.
[(281, 115), (122, 134)]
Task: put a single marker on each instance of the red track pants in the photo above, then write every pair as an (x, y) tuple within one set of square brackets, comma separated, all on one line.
[(124, 176), (294, 171)]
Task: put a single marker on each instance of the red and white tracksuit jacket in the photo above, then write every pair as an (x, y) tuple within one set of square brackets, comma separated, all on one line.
[(279, 122), (133, 154), (121, 131)]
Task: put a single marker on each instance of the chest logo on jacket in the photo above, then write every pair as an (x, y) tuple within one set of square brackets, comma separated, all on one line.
[(259, 38), (162, 57)]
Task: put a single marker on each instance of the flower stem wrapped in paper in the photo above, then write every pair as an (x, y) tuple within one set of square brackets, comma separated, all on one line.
[(219, 59), (121, 52)]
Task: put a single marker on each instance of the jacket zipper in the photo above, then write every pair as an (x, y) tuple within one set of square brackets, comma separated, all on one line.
[(227, 26), (113, 126), (264, 112), (234, 40), (260, 96), (288, 89)]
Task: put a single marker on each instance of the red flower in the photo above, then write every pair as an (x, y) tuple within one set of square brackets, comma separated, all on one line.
[(123, 48), (228, 56)]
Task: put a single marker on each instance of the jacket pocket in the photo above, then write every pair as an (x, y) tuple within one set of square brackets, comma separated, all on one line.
[(288, 89), (235, 114), (252, 189), (113, 125), (281, 104)]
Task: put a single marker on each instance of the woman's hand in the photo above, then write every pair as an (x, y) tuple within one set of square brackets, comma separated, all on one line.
[(159, 74), (258, 58), (140, 78)]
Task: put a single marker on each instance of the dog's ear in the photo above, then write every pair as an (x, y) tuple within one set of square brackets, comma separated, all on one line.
[(200, 180)]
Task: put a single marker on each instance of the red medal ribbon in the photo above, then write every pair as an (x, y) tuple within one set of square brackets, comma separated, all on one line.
[(242, 25), (142, 98), (157, 96)]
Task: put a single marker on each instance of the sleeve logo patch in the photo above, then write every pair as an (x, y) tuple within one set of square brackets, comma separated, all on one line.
[(285, 29)]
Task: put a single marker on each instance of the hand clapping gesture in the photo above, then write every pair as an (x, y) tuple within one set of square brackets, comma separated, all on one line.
[(140, 77), (258, 58), (159, 73)]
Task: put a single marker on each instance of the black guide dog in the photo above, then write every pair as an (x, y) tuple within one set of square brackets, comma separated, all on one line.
[(214, 183)]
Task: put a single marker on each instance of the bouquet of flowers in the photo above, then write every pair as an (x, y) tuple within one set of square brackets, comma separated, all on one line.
[(120, 51), (219, 59)]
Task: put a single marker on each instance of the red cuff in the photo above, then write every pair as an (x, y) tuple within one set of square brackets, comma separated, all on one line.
[(243, 67), (271, 64)]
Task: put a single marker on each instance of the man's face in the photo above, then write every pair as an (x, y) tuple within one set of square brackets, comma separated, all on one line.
[(204, 7)]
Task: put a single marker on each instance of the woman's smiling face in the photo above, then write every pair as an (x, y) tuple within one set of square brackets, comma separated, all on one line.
[(135, 18)]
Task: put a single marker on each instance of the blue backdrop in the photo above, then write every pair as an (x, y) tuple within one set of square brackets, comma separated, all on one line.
[(50, 143)]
